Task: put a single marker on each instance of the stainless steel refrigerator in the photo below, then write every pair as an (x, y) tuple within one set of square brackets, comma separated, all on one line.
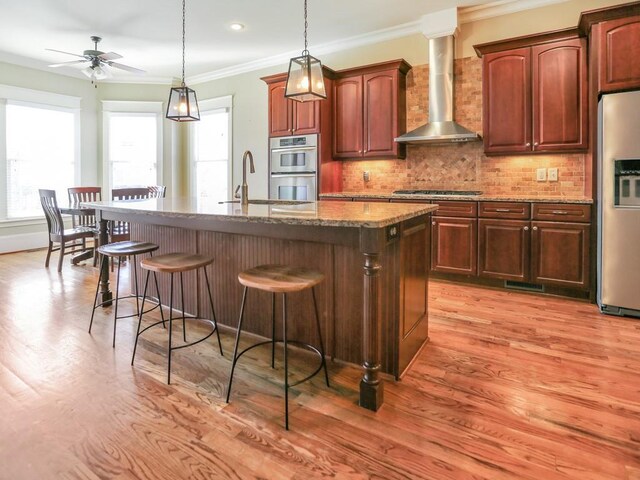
[(619, 203)]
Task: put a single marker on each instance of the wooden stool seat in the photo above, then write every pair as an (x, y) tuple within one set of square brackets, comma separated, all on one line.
[(280, 278), (122, 249), (175, 262)]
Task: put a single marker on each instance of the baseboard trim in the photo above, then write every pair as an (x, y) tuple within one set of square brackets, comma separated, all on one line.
[(23, 241)]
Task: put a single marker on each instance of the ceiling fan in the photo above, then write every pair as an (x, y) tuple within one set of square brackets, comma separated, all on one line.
[(98, 62)]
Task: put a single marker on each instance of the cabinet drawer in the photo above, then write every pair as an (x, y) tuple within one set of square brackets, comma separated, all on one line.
[(562, 212), (511, 210), (449, 208)]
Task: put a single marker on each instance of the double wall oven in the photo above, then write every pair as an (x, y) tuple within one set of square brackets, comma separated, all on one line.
[(293, 173)]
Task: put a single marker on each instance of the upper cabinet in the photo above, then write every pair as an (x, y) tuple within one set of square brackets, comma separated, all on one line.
[(618, 53), (535, 94), (369, 111), (288, 117)]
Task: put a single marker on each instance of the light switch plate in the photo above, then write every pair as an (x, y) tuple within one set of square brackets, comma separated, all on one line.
[(541, 174), (553, 174)]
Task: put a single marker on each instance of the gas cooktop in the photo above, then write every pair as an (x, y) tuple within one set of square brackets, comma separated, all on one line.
[(438, 192)]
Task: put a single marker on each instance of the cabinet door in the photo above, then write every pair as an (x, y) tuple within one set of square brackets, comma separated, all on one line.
[(380, 114), (347, 118), (454, 245), (503, 249), (306, 117), (506, 96), (560, 254), (619, 50), (280, 112), (560, 96)]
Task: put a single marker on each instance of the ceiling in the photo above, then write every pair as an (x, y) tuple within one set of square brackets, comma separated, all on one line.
[(147, 33)]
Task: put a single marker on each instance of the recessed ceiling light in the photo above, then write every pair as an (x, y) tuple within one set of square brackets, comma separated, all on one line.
[(236, 26)]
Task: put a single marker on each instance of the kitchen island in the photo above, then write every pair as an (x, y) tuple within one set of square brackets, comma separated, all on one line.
[(373, 302)]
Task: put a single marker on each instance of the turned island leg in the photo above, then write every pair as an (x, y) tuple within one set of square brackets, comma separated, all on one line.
[(103, 238), (371, 386)]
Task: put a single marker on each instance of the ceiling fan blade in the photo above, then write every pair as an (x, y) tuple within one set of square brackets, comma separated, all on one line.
[(127, 68), (64, 64), (109, 56), (66, 53)]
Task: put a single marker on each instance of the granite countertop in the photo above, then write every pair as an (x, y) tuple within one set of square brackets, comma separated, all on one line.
[(330, 214), (483, 197)]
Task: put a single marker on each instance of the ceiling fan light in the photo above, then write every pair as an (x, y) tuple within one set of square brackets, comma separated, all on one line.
[(305, 80), (183, 105)]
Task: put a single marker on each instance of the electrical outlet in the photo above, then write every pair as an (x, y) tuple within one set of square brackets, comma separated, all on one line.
[(553, 174), (365, 176), (541, 174)]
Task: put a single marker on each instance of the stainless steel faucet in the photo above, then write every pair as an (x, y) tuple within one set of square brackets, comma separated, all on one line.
[(244, 195)]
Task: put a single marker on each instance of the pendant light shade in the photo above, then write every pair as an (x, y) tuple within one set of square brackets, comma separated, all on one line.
[(183, 104), (305, 80)]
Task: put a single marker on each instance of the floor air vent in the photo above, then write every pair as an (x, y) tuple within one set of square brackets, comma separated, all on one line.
[(529, 287)]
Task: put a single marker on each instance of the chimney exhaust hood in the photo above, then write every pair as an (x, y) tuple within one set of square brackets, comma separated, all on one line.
[(441, 127)]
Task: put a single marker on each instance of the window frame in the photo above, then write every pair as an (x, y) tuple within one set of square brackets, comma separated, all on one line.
[(118, 108), (209, 105), (11, 95)]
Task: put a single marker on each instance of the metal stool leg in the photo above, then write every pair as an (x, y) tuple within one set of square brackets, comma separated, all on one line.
[(286, 361), (273, 330), (213, 312), (315, 309), (95, 298), (235, 348), (184, 321), (144, 295), (170, 330), (115, 308)]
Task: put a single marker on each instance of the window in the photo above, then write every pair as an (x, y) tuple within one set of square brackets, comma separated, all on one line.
[(39, 148), (132, 143), (211, 150)]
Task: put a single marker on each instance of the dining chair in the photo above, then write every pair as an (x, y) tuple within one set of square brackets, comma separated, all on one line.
[(70, 240), (85, 194), (157, 191)]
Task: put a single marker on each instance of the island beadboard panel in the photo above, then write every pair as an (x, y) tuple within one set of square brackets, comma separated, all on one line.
[(464, 166)]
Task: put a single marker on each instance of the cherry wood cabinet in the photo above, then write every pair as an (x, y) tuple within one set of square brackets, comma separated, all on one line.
[(454, 245), (503, 249), (369, 111), (619, 50), (560, 254), (535, 96), (288, 117)]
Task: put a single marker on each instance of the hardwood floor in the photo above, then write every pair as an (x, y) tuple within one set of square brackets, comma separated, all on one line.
[(511, 385)]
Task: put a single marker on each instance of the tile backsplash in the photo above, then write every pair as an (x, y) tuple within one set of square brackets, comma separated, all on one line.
[(463, 166)]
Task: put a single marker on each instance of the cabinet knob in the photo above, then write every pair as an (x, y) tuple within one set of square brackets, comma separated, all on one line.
[(535, 144), (526, 229), (365, 150), (433, 223), (528, 144), (359, 151), (535, 228)]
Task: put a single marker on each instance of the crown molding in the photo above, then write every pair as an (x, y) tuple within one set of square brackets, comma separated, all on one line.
[(501, 7)]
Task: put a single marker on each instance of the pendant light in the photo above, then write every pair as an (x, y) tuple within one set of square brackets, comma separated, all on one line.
[(183, 104), (305, 81)]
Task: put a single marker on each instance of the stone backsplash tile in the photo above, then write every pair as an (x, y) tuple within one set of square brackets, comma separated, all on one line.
[(463, 166)]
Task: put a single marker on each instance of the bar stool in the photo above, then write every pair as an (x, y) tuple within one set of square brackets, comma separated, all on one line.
[(177, 263), (280, 279), (124, 249)]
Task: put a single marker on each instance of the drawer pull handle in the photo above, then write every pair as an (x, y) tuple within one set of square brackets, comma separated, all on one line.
[(506, 210), (560, 212)]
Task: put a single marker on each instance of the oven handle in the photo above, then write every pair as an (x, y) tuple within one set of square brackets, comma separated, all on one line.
[(293, 174), (292, 149)]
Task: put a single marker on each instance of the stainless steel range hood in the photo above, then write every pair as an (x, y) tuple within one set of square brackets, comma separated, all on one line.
[(441, 127)]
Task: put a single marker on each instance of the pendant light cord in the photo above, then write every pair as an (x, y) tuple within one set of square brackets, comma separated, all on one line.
[(305, 51), (183, 34)]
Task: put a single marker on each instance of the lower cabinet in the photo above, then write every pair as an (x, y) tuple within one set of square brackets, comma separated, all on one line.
[(454, 245), (503, 249), (560, 254)]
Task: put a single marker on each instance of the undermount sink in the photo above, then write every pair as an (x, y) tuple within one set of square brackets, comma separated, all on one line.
[(269, 202)]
